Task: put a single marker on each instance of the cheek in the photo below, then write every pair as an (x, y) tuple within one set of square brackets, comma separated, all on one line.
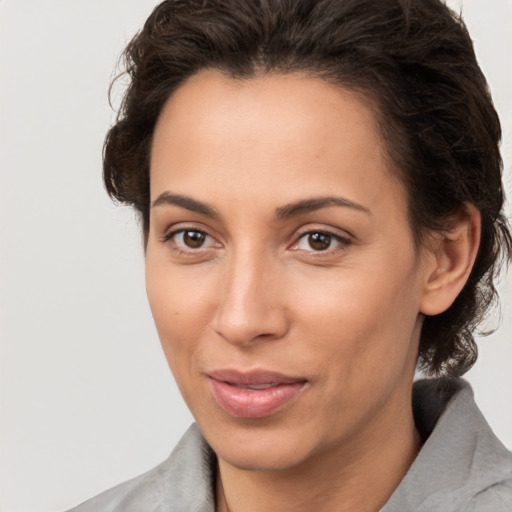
[(178, 303), (362, 347), (362, 321)]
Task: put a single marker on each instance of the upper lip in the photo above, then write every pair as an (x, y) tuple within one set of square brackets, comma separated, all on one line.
[(253, 377)]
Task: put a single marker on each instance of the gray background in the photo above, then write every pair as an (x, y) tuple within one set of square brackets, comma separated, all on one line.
[(87, 400)]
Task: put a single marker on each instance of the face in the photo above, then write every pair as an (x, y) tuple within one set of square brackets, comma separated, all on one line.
[(281, 269)]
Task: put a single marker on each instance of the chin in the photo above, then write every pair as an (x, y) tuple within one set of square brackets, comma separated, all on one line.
[(262, 459), (265, 448)]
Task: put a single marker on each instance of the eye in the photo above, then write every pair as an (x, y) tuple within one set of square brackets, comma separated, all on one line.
[(190, 239), (319, 241)]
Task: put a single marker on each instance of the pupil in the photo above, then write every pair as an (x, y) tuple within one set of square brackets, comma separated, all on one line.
[(319, 241), (193, 239)]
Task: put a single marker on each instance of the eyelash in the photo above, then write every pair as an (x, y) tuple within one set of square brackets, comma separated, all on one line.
[(171, 235), (342, 242)]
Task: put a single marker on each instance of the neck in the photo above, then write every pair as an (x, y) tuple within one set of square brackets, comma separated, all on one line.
[(360, 477)]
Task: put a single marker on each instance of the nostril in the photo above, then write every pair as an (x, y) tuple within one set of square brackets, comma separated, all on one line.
[(255, 327)]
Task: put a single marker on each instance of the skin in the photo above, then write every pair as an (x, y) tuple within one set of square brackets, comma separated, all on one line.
[(255, 293)]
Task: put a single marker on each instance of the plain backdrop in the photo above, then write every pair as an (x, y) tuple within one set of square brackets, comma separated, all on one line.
[(87, 400)]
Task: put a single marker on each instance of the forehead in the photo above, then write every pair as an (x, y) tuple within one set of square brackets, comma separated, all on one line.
[(209, 100), (275, 130)]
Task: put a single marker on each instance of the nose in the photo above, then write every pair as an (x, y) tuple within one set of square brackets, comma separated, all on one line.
[(250, 306)]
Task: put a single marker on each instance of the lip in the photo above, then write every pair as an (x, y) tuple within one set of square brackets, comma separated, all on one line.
[(253, 394)]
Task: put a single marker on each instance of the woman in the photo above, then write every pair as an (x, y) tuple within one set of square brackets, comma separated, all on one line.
[(319, 185)]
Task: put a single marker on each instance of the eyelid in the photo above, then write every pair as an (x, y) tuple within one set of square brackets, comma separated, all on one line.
[(176, 229), (328, 230)]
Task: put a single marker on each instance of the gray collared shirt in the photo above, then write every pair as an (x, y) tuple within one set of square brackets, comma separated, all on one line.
[(462, 466)]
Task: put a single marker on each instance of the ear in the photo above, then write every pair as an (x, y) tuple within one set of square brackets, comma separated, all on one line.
[(451, 259)]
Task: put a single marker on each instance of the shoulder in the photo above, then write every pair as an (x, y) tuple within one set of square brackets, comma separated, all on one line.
[(183, 482), (496, 498), (143, 492), (462, 467)]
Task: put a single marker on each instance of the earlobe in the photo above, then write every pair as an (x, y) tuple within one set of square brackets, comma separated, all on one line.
[(452, 259)]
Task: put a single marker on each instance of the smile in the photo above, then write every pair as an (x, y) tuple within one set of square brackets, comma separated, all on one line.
[(254, 394)]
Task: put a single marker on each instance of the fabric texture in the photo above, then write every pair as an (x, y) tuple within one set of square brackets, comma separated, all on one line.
[(462, 466)]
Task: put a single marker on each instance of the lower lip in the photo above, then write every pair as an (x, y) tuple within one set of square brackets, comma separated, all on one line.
[(247, 403)]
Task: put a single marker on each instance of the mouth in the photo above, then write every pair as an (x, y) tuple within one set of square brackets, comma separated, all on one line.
[(255, 394)]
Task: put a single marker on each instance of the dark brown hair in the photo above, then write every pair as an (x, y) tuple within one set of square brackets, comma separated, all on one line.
[(413, 60)]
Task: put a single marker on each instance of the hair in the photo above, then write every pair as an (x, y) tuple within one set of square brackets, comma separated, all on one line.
[(414, 63)]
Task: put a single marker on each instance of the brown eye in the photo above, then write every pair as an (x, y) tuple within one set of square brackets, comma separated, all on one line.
[(193, 239), (190, 241), (319, 241)]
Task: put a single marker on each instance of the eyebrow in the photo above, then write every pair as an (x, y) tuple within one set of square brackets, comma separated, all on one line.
[(284, 212), (317, 203), (186, 202)]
